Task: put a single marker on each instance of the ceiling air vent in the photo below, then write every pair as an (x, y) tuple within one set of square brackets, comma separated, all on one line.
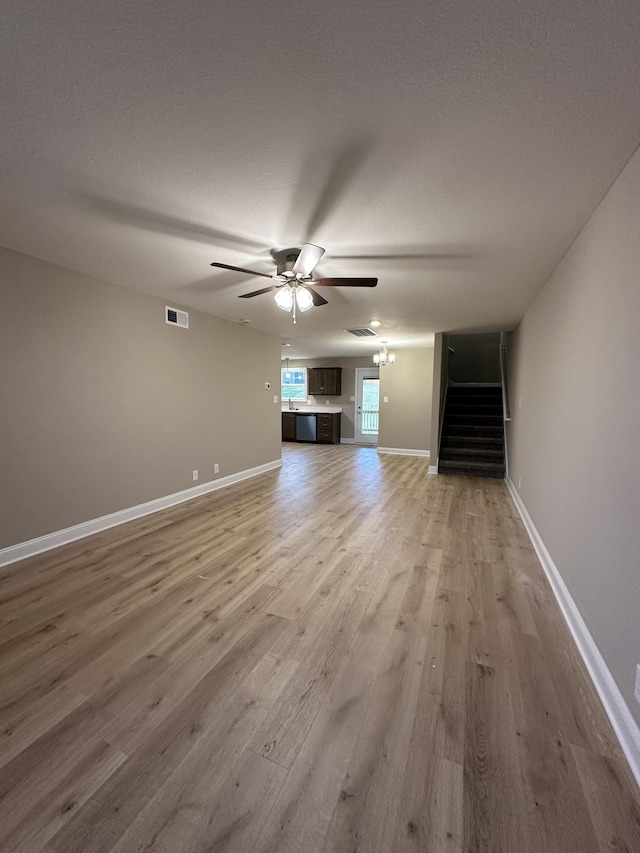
[(175, 317), (362, 333)]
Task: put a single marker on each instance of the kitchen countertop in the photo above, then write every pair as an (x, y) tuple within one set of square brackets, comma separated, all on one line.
[(313, 410)]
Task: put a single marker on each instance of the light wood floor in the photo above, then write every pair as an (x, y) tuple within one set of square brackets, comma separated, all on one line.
[(345, 655)]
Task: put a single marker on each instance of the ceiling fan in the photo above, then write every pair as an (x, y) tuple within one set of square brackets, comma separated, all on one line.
[(293, 279)]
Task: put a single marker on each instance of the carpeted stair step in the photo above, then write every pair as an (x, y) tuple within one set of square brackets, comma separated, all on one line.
[(472, 469), (491, 454), (489, 392), (467, 408), (472, 420), (468, 430), (464, 440)]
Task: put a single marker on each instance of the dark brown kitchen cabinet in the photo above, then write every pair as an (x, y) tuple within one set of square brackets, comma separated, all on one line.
[(328, 429), (325, 380), (324, 427), (288, 426)]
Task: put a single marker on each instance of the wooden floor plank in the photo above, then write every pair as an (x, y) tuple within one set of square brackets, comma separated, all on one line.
[(614, 810), (346, 654), (188, 807), (302, 813), (367, 811), (432, 805)]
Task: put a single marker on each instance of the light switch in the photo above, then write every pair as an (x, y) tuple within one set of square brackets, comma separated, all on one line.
[(385, 399), (275, 398)]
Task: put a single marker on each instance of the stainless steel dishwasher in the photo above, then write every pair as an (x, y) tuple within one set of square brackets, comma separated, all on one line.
[(305, 427)]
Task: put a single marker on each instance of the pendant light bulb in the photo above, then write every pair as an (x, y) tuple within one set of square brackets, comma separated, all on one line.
[(303, 299), (284, 298)]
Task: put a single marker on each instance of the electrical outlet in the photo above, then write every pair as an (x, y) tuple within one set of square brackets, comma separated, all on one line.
[(327, 402), (195, 474), (385, 399), (216, 468), (636, 691)]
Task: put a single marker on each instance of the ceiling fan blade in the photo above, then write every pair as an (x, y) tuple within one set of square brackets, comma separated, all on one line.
[(317, 299), (345, 282), (259, 292), (240, 269), (307, 259)]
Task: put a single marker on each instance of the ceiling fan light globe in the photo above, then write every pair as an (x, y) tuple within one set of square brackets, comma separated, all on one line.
[(376, 358), (304, 299), (284, 298), (391, 357)]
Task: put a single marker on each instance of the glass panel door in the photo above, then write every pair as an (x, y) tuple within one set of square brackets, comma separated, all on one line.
[(367, 405)]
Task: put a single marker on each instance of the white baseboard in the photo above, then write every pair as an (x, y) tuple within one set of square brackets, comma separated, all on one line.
[(624, 725), (433, 469), (347, 441), (61, 537), (402, 451)]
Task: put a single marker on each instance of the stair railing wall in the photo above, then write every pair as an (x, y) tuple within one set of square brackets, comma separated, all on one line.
[(442, 408), (444, 389), (505, 403)]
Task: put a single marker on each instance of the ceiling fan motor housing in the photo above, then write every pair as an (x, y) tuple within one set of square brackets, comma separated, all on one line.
[(285, 261)]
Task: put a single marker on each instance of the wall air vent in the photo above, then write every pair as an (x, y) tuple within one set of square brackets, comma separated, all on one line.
[(175, 317), (362, 333)]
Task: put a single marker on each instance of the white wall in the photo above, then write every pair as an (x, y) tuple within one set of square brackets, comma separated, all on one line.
[(574, 442)]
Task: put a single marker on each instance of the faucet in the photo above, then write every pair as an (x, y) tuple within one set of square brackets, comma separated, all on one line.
[(290, 404)]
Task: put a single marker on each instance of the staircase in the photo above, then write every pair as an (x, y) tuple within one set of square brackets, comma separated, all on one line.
[(472, 440)]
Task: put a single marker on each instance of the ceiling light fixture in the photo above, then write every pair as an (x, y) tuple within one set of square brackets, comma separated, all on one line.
[(293, 296), (384, 356), (375, 324)]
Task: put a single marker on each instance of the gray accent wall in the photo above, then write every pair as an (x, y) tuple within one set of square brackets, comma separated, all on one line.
[(574, 441), (104, 406), (405, 420)]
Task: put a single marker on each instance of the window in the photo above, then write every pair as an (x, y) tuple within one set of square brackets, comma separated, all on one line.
[(294, 384)]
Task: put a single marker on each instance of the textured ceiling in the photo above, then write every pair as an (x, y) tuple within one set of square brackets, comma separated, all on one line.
[(453, 149)]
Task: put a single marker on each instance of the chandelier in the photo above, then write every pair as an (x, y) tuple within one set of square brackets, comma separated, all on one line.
[(384, 356), (292, 296)]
